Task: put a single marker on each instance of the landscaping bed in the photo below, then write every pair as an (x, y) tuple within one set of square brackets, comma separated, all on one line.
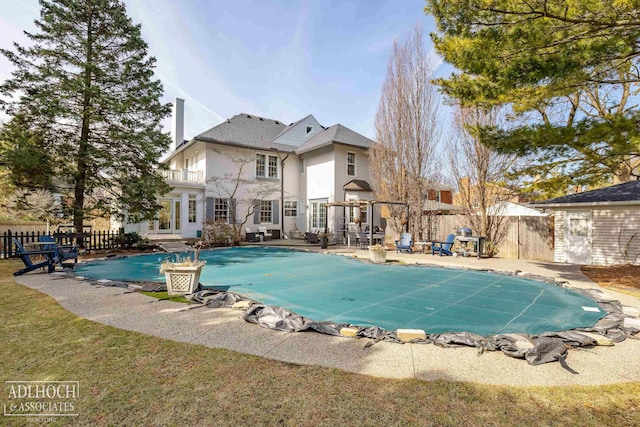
[(620, 277)]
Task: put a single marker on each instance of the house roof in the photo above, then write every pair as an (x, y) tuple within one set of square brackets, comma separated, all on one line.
[(620, 193), (291, 126), (246, 130), (357, 185), (334, 134)]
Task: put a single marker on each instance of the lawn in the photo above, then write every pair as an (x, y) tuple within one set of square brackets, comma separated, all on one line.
[(127, 378)]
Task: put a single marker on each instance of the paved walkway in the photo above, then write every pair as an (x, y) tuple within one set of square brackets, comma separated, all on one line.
[(224, 328)]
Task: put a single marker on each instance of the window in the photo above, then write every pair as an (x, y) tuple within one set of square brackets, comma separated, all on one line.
[(177, 226), (475, 203), (363, 214), (273, 167), (579, 227), (308, 130), (192, 208), (437, 196), (265, 211), (351, 164), (220, 210), (266, 166), (186, 163), (291, 209), (260, 164)]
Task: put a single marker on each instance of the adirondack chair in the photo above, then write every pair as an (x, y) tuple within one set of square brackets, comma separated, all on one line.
[(25, 256), (64, 252), (405, 243), (443, 247)]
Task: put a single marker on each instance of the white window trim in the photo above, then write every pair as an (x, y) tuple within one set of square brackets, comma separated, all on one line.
[(267, 157), (297, 208), (270, 203), (355, 169), (308, 129)]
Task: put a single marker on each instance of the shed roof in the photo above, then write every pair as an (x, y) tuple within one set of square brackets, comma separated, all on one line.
[(625, 192)]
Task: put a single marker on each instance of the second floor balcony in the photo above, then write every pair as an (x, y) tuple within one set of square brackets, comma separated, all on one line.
[(183, 175)]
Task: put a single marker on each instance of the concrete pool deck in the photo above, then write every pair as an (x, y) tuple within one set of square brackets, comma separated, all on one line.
[(224, 328)]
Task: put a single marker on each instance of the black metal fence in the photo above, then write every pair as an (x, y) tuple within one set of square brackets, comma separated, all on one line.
[(89, 241)]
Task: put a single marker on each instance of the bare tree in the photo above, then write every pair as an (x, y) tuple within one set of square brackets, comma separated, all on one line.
[(34, 204), (480, 173), (402, 163), (240, 193)]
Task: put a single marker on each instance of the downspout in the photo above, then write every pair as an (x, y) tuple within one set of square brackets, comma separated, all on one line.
[(282, 195), (370, 211)]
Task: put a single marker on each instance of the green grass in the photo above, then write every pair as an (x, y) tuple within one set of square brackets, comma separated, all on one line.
[(128, 378), (165, 296)]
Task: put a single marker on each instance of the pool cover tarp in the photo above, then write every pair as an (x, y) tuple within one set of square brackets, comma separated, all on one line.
[(332, 288)]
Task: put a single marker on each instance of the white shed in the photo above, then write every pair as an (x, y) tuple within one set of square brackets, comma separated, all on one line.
[(598, 227)]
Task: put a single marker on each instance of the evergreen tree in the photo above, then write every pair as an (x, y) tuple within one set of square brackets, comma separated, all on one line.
[(85, 86), (567, 69), (23, 156)]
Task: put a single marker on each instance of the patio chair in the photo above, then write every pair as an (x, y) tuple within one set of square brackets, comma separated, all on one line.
[(405, 243), (266, 235), (312, 236), (63, 252), (25, 256), (250, 236), (364, 240), (443, 247)]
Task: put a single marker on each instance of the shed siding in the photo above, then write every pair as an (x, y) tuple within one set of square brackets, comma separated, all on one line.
[(612, 230), (560, 247)]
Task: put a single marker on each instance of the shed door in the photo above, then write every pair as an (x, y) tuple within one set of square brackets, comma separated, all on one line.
[(578, 237)]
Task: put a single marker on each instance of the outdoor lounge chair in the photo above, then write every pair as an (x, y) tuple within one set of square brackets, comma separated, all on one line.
[(265, 234), (443, 247), (25, 256), (405, 243), (64, 252)]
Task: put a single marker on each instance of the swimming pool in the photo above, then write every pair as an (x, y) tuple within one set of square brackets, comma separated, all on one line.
[(343, 290)]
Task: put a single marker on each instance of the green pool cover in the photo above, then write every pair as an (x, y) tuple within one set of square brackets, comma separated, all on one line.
[(343, 290)]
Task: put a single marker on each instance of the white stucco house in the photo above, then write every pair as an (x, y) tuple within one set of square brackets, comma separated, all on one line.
[(598, 227), (286, 172)]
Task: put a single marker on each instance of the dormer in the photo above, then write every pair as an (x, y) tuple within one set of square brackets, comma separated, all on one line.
[(297, 133)]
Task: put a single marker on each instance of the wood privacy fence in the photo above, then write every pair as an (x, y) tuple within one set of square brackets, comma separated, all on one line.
[(89, 241), (527, 237)]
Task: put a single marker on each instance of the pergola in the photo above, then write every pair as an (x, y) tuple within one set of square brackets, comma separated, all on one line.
[(367, 203)]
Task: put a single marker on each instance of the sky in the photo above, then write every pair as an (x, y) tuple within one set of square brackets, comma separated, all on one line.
[(276, 59)]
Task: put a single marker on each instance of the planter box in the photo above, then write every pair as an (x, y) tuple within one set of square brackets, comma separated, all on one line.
[(378, 256), (183, 279)]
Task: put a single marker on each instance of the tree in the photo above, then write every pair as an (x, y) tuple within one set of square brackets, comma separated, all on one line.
[(28, 165), (241, 194), (402, 162), (481, 175), (33, 205), (567, 70), (85, 88)]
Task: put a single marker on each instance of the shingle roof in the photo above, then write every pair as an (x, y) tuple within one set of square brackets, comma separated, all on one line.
[(246, 130), (625, 192), (357, 185), (338, 134)]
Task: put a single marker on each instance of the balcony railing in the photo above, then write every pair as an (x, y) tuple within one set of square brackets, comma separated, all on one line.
[(182, 175)]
